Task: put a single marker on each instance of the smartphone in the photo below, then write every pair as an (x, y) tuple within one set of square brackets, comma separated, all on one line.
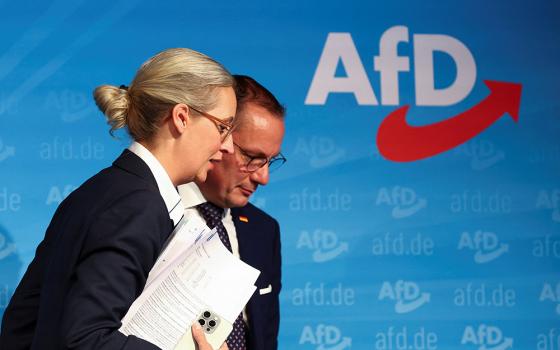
[(216, 330)]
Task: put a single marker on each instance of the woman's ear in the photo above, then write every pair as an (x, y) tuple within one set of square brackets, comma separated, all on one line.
[(180, 117)]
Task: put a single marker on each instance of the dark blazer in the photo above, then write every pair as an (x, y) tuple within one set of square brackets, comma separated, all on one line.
[(92, 264), (259, 246)]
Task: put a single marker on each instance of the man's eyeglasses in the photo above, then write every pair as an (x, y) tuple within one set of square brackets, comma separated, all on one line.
[(225, 128), (252, 164)]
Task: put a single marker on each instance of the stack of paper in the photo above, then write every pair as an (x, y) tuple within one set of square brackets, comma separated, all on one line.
[(195, 272)]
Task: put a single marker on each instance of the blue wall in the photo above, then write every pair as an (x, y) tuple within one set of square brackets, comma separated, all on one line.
[(457, 250)]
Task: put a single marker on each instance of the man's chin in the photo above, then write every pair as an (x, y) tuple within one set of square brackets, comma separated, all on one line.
[(238, 201)]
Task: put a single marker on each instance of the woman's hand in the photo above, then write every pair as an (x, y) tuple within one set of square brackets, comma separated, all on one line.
[(200, 339)]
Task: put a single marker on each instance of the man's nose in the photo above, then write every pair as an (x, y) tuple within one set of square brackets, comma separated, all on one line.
[(261, 175), (227, 145)]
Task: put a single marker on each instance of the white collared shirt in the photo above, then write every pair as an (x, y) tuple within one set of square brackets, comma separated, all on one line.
[(166, 189), (191, 197)]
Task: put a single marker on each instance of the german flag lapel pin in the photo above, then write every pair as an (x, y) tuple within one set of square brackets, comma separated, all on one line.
[(243, 218)]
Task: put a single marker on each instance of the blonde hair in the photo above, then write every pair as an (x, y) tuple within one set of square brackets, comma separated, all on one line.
[(172, 76)]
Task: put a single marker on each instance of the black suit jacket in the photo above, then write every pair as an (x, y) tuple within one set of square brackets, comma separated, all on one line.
[(259, 246), (92, 264)]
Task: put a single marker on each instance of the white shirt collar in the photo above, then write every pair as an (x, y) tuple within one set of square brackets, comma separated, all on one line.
[(191, 195), (166, 189)]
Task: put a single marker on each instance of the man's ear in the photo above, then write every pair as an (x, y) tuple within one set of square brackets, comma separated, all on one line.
[(180, 114)]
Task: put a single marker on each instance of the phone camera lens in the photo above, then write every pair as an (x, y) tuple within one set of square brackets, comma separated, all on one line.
[(212, 323), (206, 314), (201, 321)]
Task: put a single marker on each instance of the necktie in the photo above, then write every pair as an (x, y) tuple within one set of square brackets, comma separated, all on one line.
[(213, 216)]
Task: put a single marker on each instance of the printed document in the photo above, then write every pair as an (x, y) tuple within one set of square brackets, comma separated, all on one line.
[(194, 272)]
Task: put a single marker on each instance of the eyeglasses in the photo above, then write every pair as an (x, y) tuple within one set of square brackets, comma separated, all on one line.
[(224, 128), (252, 164)]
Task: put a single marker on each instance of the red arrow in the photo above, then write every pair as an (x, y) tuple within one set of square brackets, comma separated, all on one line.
[(400, 142)]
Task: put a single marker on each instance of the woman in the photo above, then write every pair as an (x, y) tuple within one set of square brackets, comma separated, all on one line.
[(105, 237)]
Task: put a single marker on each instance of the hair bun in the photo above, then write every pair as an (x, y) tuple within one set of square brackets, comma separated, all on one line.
[(114, 102)]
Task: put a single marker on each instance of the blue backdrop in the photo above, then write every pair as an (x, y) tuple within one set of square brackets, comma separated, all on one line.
[(460, 249)]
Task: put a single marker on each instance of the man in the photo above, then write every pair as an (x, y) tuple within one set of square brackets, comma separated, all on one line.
[(253, 235)]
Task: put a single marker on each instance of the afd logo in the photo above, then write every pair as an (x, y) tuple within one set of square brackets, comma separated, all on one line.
[(6, 151), (6, 249), (57, 194), (550, 200), (322, 151), (404, 201), (396, 139), (406, 294), (483, 154), (324, 337), (324, 244), (71, 105), (551, 294), (486, 338), (486, 245)]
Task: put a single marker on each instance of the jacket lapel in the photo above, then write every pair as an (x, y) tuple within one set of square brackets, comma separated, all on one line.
[(244, 228), (131, 163)]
